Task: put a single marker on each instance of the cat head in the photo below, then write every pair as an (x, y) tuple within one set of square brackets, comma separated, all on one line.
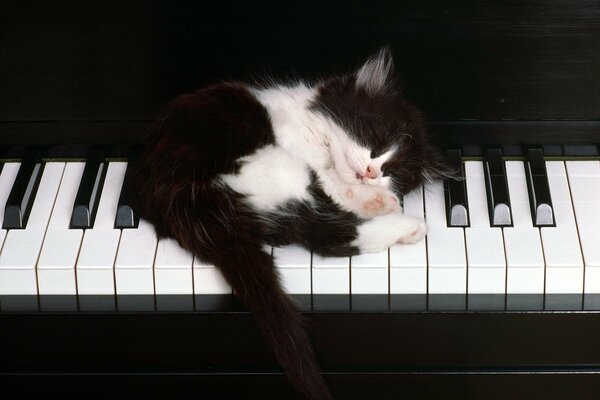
[(385, 141)]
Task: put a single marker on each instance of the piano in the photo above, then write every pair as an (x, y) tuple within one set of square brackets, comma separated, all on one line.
[(500, 300)]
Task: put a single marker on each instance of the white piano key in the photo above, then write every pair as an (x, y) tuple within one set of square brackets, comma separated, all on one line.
[(485, 246), (564, 263), (22, 247), (208, 279), (330, 275), (408, 263), (524, 254), (7, 178), (293, 265), (584, 182), (446, 254), (134, 272), (56, 266), (370, 273), (95, 265), (173, 269)]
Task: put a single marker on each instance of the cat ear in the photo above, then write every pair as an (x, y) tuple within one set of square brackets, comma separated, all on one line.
[(376, 73)]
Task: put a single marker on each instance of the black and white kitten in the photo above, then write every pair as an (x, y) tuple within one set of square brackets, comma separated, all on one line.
[(233, 167)]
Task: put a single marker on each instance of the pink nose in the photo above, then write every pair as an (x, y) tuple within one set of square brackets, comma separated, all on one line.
[(370, 173)]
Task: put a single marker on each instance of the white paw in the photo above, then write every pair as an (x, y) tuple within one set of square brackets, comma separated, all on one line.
[(384, 231), (369, 201), (414, 231)]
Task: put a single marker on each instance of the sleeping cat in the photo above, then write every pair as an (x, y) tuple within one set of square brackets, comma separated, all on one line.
[(233, 167)]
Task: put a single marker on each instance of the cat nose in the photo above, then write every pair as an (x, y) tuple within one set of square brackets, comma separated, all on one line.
[(370, 173)]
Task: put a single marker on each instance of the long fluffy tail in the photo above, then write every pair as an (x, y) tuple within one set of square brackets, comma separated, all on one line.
[(251, 274), (215, 225)]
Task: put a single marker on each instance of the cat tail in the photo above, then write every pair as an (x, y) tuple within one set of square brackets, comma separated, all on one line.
[(251, 273)]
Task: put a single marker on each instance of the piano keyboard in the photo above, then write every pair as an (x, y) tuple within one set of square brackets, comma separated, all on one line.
[(513, 234)]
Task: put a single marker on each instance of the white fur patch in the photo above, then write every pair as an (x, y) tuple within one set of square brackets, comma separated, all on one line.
[(296, 128), (270, 177)]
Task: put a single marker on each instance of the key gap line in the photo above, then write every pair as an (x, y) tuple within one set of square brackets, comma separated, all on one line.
[(426, 250), (114, 263), (37, 260), (578, 235), (76, 271), (505, 268), (154, 273)]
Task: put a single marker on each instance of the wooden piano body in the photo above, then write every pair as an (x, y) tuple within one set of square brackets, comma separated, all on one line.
[(507, 75)]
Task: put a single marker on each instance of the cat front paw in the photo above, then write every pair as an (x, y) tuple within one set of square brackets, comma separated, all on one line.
[(369, 201), (379, 233), (414, 231)]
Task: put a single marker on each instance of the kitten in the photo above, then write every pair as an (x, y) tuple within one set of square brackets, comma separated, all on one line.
[(233, 167)]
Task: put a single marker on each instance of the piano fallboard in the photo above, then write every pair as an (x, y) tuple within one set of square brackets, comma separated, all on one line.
[(363, 355)]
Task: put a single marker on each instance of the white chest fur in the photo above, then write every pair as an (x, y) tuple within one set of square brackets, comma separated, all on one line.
[(270, 177)]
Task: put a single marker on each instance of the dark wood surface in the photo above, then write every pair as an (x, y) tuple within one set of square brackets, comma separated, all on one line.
[(154, 342), (359, 386), (520, 355)]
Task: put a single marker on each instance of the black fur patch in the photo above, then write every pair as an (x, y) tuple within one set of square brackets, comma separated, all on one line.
[(321, 225)]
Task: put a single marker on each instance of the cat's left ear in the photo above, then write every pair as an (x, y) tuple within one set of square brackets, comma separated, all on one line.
[(376, 74)]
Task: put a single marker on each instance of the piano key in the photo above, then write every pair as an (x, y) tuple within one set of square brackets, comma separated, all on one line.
[(95, 265), (56, 265), (331, 283), (293, 264), (408, 263), (88, 195), (524, 253), (21, 198), (485, 245), (539, 191), (126, 218), (134, 273), (211, 290), (22, 247), (446, 253), (456, 195), (369, 284), (564, 263), (584, 183), (173, 276), (497, 189)]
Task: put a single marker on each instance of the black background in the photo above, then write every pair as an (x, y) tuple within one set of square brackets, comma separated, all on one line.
[(120, 61)]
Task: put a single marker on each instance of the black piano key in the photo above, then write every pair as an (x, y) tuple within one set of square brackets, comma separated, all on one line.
[(22, 194), (540, 200), (126, 217), (497, 189), (90, 187), (457, 212)]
